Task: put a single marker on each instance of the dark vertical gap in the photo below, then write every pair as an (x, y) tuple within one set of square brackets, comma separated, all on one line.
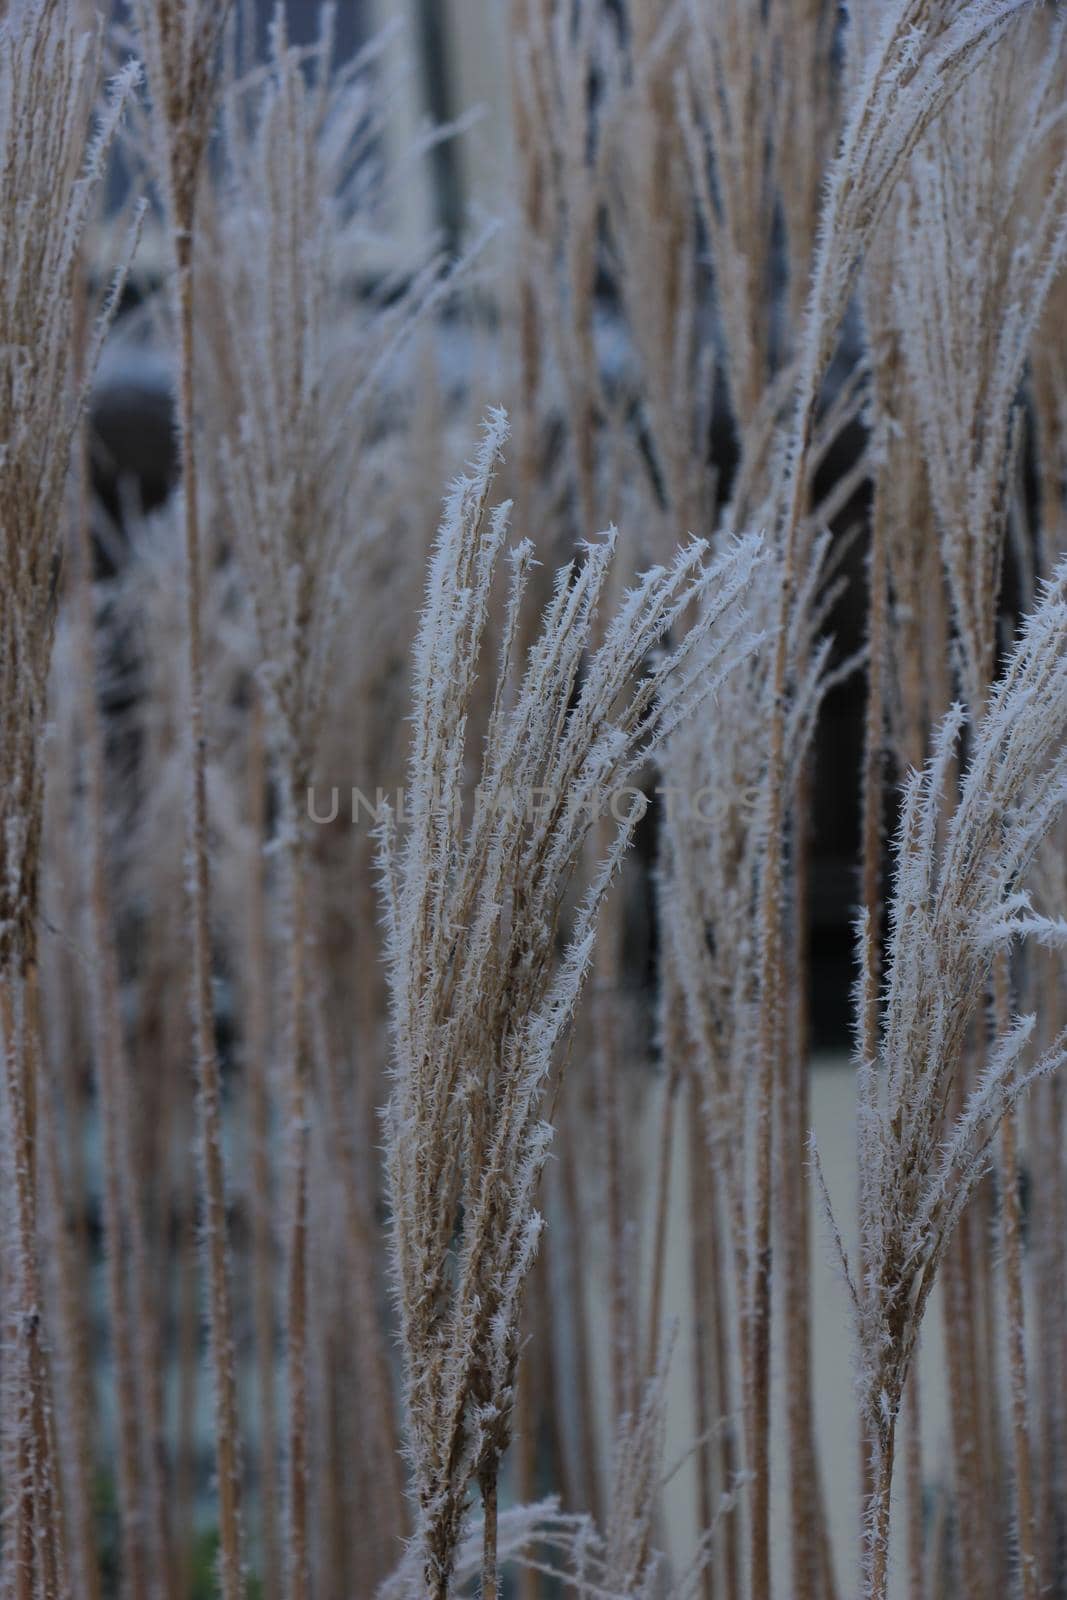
[(434, 59), (303, 23)]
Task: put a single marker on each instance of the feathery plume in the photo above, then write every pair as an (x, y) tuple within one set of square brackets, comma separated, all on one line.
[(478, 1000), (954, 905)]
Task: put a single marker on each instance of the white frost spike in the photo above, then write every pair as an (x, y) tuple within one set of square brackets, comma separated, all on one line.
[(479, 998), (954, 903)]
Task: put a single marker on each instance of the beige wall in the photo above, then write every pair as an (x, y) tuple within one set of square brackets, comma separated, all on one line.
[(833, 1108), (479, 80)]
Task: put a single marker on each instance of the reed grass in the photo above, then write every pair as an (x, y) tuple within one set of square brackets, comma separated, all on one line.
[(451, 897)]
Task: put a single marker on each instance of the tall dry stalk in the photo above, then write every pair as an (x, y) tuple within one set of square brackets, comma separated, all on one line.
[(299, 365), (257, 1031), (179, 39), (922, 52), (54, 161), (718, 92), (969, 332), (1016, 229)]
